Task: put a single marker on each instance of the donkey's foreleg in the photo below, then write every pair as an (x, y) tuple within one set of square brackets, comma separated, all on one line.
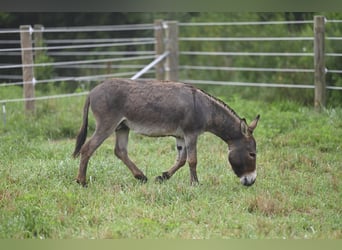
[(191, 147), (121, 142), (180, 161)]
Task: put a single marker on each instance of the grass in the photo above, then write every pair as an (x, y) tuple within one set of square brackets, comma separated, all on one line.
[(297, 193)]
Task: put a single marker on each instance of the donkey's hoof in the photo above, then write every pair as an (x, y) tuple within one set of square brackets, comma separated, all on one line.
[(82, 183), (141, 178), (161, 178)]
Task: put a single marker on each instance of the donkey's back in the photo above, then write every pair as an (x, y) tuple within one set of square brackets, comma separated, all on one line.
[(153, 108)]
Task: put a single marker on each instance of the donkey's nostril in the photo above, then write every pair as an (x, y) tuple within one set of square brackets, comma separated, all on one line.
[(248, 179), (253, 155), (248, 183)]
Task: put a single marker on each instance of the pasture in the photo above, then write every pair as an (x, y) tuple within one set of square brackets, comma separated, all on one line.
[(298, 192)]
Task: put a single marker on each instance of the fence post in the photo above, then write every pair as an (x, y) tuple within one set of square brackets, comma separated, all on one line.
[(319, 62), (27, 68), (38, 54), (38, 39), (159, 48), (171, 64)]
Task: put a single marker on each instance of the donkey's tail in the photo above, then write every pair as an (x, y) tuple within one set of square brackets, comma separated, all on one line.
[(82, 134)]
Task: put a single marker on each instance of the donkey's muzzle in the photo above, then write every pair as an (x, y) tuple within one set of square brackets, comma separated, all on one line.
[(248, 179)]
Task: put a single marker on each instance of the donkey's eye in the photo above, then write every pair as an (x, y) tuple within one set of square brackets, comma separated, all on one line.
[(253, 155)]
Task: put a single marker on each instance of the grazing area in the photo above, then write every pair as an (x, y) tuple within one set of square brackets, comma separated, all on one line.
[(298, 192)]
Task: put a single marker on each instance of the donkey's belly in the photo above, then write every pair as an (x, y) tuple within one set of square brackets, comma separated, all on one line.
[(154, 129)]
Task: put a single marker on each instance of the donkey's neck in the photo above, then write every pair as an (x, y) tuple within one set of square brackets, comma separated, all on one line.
[(224, 122)]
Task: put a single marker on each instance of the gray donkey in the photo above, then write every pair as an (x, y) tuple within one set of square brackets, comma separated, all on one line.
[(164, 108)]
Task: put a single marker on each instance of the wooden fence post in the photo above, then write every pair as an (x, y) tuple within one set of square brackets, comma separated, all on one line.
[(38, 53), (171, 64), (159, 48), (27, 68), (38, 39), (319, 62)]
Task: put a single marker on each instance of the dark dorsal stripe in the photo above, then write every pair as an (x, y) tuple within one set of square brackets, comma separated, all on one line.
[(217, 100)]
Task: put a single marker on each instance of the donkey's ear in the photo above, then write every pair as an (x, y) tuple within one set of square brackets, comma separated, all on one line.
[(244, 127), (253, 124)]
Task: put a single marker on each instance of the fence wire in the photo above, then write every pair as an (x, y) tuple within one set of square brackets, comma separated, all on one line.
[(85, 46), (148, 55), (77, 62)]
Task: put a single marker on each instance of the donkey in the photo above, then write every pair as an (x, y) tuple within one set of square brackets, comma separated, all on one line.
[(164, 108)]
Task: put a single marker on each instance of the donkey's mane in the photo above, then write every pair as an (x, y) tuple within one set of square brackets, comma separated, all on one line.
[(217, 100), (211, 97)]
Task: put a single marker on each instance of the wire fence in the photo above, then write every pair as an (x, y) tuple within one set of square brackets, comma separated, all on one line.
[(79, 60), (258, 54), (76, 60)]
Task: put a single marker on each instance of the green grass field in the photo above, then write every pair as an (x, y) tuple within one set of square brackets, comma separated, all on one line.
[(297, 194)]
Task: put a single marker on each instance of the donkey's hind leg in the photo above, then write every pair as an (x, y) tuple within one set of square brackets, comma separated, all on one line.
[(121, 152), (180, 161), (89, 148)]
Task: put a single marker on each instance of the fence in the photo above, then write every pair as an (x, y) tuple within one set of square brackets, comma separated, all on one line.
[(163, 56), (159, 51), (319, 70)]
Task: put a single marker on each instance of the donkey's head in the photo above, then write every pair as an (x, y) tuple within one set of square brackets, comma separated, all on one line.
[(242, 153)]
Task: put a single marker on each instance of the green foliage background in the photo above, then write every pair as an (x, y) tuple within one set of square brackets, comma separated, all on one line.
[(303, 96), (291, 62)]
